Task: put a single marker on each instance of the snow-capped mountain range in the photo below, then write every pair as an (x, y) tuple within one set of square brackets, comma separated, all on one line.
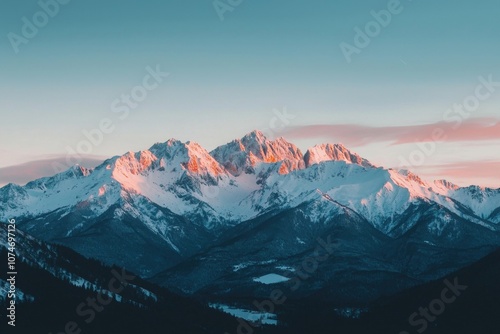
[(153, 209)]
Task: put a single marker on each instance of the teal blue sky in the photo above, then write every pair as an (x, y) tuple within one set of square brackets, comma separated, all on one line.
[(227, 77)]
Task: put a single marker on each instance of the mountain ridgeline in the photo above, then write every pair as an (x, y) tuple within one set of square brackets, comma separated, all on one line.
[(209, 223)]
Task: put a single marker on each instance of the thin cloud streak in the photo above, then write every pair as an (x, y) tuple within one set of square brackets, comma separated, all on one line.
[(477, 129), (469, 170)]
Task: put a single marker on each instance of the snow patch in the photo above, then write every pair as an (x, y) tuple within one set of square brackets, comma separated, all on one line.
[(252, 316), (271, 279)]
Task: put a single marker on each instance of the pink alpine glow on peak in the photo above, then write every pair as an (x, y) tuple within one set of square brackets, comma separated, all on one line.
[(446, 185), (190, 155), (239, 181), (134, 163), (336, 152), (242, 155), (172, 154)]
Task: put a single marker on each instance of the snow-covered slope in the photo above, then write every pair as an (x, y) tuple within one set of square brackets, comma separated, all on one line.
[(60, 264)]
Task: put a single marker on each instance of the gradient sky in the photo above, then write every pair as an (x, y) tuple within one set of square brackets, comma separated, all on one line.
[(228, 77)]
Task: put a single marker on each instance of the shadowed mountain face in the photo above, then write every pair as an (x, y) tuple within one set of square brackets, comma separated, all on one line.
[(57, 289), (342, 259), (465, 301), (215, 223), (57, 283)]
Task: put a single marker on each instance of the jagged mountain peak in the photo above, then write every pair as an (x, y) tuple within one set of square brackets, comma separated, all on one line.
[(12, 187), (255, 135), (11, 193), (170, 155), (172, 145), (133, 162), (411, 177), (446, 184), (336, 152), (242, 155), (48, 182)]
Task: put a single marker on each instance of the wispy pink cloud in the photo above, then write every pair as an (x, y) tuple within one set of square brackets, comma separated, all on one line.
[(23, 173), (476, 172), (476, 129)]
